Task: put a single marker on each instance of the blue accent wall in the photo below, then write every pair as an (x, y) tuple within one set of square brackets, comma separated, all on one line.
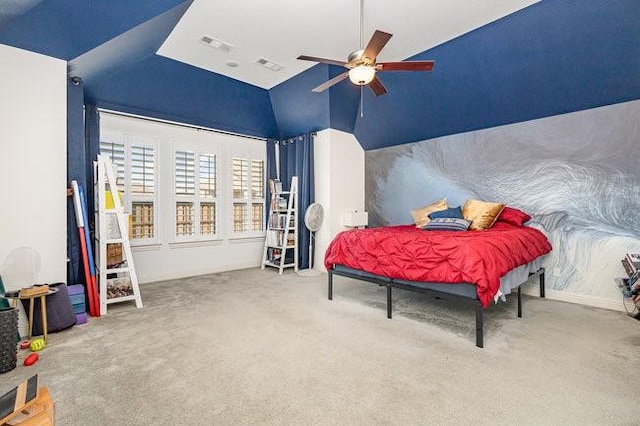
[(163, 88), (344, 103), (554, 57), (297, 109), (127, 48), (66, 29)]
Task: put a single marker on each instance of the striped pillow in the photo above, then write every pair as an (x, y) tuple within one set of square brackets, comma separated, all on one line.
[(447, 224)]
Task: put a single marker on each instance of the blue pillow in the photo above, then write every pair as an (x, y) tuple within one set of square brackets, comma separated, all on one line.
[(447, 224), (455, 212)]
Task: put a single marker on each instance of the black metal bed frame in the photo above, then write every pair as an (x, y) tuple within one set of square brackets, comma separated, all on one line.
[(420, 287)]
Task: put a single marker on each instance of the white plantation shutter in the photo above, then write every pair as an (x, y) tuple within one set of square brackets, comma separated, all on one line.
[(142, 169), (257, 195), (240, 185), (257, 179), (248, 183), (208, 193), (240, 170), (115, 151), (208, 176), (139, 174), (185, 172), (184, 218), (195, 193), (208, 219), (240, 220)]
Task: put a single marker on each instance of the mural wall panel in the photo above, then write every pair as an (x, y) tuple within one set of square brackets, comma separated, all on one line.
[(577, 175)]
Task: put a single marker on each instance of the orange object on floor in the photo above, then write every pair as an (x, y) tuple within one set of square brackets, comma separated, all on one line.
[(39, 412)]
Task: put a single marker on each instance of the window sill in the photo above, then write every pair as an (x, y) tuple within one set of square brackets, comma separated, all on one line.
[(247, 239), (146, 247), (194, 243)]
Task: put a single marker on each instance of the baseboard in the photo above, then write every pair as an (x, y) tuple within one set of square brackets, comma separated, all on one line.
[(577, 298), (175, 276)]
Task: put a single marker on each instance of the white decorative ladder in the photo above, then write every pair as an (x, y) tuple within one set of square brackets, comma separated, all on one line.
[(282, 229), (107, 234)]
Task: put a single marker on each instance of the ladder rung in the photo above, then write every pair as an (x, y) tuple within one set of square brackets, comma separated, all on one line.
[(111, 240), (121, 299), (117, 270), (277, 265)]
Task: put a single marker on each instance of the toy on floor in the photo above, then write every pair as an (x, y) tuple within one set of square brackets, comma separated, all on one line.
[(25, 344), (37, 344), (31, 359)]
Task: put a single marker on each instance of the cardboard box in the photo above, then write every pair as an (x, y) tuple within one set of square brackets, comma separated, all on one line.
[(114, 254)]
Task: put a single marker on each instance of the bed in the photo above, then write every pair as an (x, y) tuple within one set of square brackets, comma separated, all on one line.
[(476, 265)]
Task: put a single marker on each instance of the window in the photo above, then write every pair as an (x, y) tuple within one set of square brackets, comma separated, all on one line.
[(257, 195), (195, 194), (133, 159), (115, 151), (208, 194), (182, 185), (142, 191), (248, 195)]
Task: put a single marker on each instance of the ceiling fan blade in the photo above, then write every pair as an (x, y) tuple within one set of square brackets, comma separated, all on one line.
[(335, 80), (405, 66), (322, 60), (377, 42), (377, 87)]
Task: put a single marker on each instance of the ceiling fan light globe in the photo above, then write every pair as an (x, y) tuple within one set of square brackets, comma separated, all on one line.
[(362, 74)]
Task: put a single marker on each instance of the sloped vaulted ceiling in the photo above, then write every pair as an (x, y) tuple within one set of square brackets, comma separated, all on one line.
[(553, 57)]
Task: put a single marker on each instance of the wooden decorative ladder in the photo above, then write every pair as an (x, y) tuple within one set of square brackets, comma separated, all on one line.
[(112, 227)]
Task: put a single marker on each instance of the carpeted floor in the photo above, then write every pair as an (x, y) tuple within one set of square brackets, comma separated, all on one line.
[(252, 347)]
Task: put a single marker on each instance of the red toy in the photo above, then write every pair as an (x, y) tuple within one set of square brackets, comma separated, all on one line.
[(31, 359), (25, 344)]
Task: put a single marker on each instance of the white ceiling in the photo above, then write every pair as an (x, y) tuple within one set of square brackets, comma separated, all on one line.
[(281, 30)]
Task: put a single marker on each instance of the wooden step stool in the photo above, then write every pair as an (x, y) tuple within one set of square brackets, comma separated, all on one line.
[(39, 411)]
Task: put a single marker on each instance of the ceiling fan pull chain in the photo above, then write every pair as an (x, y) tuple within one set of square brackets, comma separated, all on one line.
[(361, 25), (361, 103)]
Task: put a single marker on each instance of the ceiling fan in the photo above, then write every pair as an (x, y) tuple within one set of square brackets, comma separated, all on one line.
[(362, 65)]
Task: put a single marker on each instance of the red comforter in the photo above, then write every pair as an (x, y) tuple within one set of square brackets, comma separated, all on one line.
[(406, 252)]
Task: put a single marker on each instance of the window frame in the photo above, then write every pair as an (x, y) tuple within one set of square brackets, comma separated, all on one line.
[(196, 199), (129, 140), (249, 200)]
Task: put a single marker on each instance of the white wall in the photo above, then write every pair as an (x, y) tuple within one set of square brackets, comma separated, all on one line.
[(168, 258), (339, 184), (33, 164)]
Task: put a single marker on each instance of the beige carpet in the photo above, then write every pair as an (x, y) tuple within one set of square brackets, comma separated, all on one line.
[(252, 347)]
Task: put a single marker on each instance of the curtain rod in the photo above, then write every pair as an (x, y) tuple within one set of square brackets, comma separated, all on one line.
[(176, 123), (314, 134)]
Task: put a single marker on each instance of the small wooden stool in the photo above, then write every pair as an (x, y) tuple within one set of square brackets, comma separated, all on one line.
[(43, 308)]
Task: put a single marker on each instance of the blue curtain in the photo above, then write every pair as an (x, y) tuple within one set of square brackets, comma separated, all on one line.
[(75, 171), (271, 172), (92, 148), (296, 159)]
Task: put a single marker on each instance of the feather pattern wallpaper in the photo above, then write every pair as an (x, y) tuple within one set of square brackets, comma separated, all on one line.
[(577, 175)]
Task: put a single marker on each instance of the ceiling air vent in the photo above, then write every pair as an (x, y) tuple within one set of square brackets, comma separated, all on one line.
[(268, 64), (216, 44)]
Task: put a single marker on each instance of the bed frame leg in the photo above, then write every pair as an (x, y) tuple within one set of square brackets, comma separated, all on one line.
[(330, 289), (389, 308), (519, 302), (542, 283), (479, 326)]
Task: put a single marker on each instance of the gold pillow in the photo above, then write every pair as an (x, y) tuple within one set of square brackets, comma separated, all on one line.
[(481, 214), (421, 216)]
